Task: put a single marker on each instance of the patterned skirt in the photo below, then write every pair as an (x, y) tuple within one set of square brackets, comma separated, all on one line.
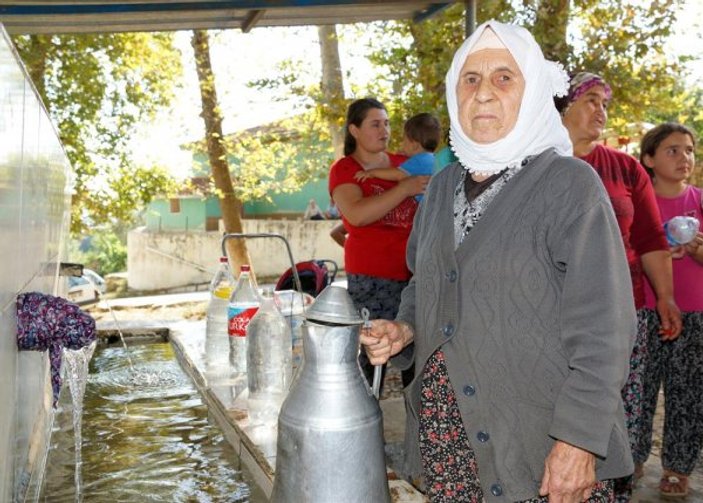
[(449, 463)]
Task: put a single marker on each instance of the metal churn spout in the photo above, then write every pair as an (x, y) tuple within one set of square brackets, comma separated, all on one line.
[(330, 428)]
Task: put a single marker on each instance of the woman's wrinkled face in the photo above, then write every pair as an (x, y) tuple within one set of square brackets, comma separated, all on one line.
[(489, 94), (373, 133), (586, 117), (674, 158)]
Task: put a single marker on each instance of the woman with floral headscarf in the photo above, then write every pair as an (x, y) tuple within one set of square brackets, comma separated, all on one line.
[(584, 113), (519, 315)]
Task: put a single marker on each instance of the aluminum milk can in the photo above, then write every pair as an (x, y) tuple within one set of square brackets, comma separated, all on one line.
[(330, 428)]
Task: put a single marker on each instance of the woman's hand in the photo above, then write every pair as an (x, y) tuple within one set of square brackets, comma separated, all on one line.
[(569, 474), (677, 252), (695, 247), (385, 339), (670, 318), (414, 185), (657, 267)]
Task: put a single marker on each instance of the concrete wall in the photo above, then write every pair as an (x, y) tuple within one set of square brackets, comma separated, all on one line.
[(34, 217), (157, 260)]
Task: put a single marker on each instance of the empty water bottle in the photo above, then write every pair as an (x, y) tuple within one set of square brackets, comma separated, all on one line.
[(292, 305), (681, 230), (216, 340), (269, 367), (243, 304)]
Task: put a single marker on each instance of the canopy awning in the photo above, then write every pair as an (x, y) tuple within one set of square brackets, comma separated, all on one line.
[(90, 16)]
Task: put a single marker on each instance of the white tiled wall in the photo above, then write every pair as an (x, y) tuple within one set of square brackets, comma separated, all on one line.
[(34, 212)]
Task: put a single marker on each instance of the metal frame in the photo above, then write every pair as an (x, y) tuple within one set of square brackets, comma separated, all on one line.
[(76, 16), (240, 235)]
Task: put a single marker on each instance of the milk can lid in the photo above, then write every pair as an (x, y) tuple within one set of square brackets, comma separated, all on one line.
[(334, 305)]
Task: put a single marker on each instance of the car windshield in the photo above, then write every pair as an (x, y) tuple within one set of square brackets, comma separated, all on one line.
[(77, 280), (92, 276)]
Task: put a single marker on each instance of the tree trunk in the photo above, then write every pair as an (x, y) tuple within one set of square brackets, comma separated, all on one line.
[(39, 48), (229, 204), (332, 86), (550, 27)]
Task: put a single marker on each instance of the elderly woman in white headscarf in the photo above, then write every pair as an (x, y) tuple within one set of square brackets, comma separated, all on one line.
[(519, 315)]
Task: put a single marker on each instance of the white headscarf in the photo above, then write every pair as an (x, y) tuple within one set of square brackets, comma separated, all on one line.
[(538, 125)]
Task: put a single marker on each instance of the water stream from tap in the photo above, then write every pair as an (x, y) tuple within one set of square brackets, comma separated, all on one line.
[(137, 377), (119, 330), (76, 370)]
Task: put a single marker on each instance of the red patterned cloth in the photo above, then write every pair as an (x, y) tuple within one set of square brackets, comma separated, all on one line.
[(48, 322)]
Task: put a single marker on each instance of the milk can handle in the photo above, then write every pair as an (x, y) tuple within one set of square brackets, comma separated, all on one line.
[(377, 369), (240, 235)]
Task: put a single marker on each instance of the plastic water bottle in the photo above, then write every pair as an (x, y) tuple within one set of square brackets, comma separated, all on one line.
[(243, 304), (292, 305), (216, 340), (681, 230), (269, 361)]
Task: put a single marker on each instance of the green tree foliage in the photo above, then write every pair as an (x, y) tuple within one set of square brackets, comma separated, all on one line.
[(276, 158), (106, 253), (96, 88), (623, 40), (290, 152), (280, 158)]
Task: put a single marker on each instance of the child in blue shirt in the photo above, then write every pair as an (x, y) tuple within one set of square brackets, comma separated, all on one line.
[(421, 136)]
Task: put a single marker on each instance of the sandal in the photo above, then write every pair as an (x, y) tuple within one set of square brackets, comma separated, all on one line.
[(673, 486)]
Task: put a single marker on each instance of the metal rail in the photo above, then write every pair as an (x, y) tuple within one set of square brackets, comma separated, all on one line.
[(239, 235)]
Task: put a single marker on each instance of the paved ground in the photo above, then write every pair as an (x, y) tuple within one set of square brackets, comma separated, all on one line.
[(134, 312)]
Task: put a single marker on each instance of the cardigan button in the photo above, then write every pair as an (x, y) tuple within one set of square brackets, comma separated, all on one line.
[(469, 390), (483, 436), (496, 490), (451, 276), (448, 329)]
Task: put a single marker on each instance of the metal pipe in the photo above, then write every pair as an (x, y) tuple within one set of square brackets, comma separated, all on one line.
[(470, 25)]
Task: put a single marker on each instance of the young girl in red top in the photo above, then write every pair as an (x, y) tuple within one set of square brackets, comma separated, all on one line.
[(377, 214), (667, 151)]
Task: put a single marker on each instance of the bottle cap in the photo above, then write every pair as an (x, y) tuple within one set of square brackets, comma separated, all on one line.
[(223, 260), (244, 268)]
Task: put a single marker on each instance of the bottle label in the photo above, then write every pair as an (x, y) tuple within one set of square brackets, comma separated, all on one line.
[(223, 292), (238, 320)]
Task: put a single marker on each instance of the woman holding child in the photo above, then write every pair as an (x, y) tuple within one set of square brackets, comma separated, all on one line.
[(378, 214), (519, 316)]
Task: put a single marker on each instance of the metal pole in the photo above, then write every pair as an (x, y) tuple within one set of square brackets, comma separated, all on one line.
[(470, 26), (237, 235)]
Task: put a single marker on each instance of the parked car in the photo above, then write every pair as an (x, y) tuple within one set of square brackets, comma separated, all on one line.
[(85, 288)]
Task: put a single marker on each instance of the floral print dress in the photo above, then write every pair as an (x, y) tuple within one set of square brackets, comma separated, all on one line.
[(449, 462)]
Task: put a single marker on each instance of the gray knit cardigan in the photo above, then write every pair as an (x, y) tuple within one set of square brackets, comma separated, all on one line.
[(535, 316)]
